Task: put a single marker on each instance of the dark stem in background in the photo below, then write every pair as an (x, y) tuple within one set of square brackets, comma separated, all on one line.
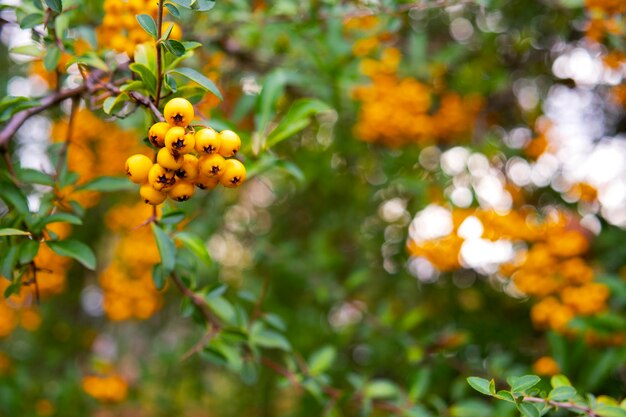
[(68, 136), (159, 57)]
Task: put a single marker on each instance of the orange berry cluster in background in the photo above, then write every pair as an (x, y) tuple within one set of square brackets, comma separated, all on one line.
[(120, 30), (110, 388), (186, 158), (552, 269), (129, 291), (95, 148), (397, 111)]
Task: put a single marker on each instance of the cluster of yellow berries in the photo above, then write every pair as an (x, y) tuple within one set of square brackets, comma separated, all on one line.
[(129, 291), (110, 388), (120, 30), (178, 170), (397, 111)]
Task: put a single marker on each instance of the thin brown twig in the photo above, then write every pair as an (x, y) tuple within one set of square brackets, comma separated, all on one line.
[(201, 344), (159, 53), (197, 301), (560, 404), (68, 135)]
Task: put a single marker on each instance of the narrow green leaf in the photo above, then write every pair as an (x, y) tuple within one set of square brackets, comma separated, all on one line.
[(60, 218), (174, 47), (273, 88), (560, 381), (321, 360), (479, 384), (380, 389), (108, 184), (605, 410), (13, 232), (528, 410), (115, 103), (28, 50), (158, 277), (172, 10), (269, 339), (9, 260), (74, 249), (146, 75), (203, 81), (147, 23), (28, 251), (523, 383), (13, 197), (562, 393), (33, 176), (297, 118), (196, 246), (51, 59), (167, 250), (505, 395), (184, 3), (202, 5), (55, 5), (31, 21)]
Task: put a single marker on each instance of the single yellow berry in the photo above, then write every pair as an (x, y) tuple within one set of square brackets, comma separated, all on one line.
[(178, 112), (211, 165), (234, 173), (207, 141), (157, 133), (181, 191), (188, 171), (151, 196), (137, 168), (160, 179), (168, 160), (206, 183), (179, 142), (230, 143)]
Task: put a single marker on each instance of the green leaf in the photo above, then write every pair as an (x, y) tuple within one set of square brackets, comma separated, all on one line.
[(268, 338), (273, 88), (222, 308), (90, 59), (203, 81), (108, 184), (173, 217), (528, 410), (479, 384), (605, 410), (147, 23), (158, 277), (9, 260), (28, 50), (196, 246), (33, 176), (560, 381), (13, 232), (380, 388), (172, 10), (74, 249), (115, 103), (505, 395), (51, 60), (146, 75), (28, 251), (55, 5), (321, 360), (202, 5), (31, 21), (562, 393), (184, 3), (13, 197), (523, 383), (10, 105), (166, 247), (297, 118), (59, 218), (174, 47)]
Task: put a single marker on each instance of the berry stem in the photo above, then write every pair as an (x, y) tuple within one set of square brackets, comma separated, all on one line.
[(159, 58)]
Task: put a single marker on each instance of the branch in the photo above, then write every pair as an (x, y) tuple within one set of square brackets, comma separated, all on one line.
[(197, 301), (159, 53), (567, 405), (18, 119)]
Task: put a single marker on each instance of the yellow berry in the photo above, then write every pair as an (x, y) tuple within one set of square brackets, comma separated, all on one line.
[(137, 168), (157, 133), (181, 191), (230, 143), (234, 173), (168, 160), (179, 142), (211, 165), (178, 112), (189, 169), (160, 178), (151, 196), (206, 183), (207, 141)]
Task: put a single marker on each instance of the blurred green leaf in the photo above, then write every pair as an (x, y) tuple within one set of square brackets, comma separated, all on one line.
[(55, 5), (28, 251), (146, 75), (74, 249), (528, 410), (381, 388), (562, 393), (13, 232), (523, 383), (297, 118), (166, 247), (479, 384), (200, 79), (321, 360), (196, 246), (108, 184)]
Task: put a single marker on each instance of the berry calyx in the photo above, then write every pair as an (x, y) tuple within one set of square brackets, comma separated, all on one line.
[(137, 168), (206, 183), (178, 141), (211, 165), (181, 191), (178, 112), (234, 173), (151, 196), (160, 179), (230, 143), (188, 170), (157, 133), (207, 141), (169, 160)]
